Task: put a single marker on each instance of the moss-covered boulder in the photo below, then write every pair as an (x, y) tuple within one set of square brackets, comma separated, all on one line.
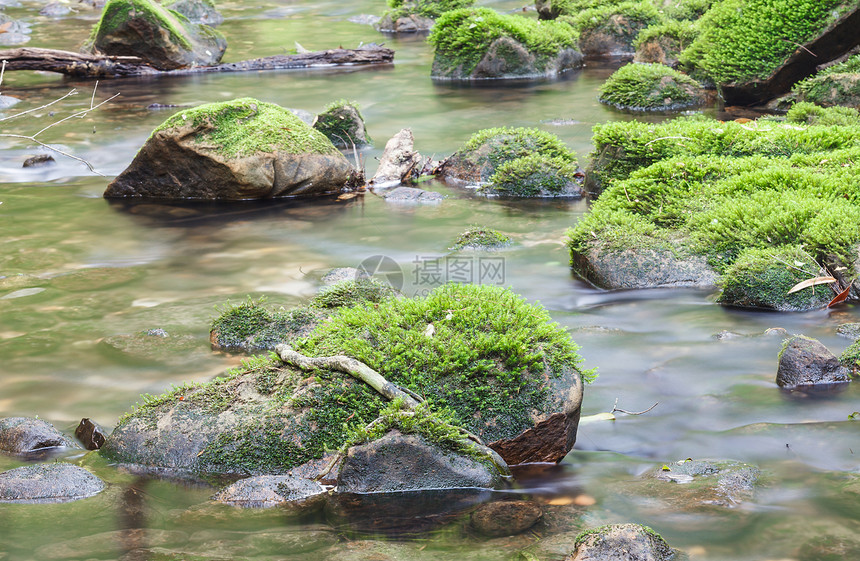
[(162, 37), (494, 365), (234, 150), (520, 162), (480, 43), (850, 357), (410, 16), (836, 85), (650, 87), (754, 52), (764, 203), (664, 42), (342, 123), (609, 30)]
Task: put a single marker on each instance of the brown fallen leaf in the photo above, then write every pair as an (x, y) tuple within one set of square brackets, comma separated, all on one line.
[(810, 282), (841, 297), (5, 27)]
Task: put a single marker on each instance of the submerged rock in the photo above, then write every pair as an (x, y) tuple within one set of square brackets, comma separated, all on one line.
[(273, 490), (48, 483), (159, 36), (412, 195), (631, 542), (398, 462), (609, 31), (507, 46), (23, 435), (234, 150), (806, 362), (505, 518)]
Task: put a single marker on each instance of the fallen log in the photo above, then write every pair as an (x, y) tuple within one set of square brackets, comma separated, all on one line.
[(81, 65)]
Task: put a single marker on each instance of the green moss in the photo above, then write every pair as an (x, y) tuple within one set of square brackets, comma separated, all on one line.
[(425, 8), (116, 12), (489, 353), (743, 40), (551, 9), (683, 33), (353, 292), (624, 20), (582, 536), (480, 238), (251, 326), (836, 85), (245, 126), (850, 358), (810, 114), (649, 87), (507, 144), (535, 175), (462, 37), (339, 124), (615, 229), (761, 278), (688, 10)]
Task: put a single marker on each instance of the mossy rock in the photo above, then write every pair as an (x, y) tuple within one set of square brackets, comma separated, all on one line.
[(836, 85), (162, 37), (352, 293), (745, 196), (622, 541), (807, 113), (610, 30), (850, 357), (650, 87), (664, 42), (684, 10), (251, 327), (343, 125), (481, 239), (536, 175), (233, 150), (495, 366), (480, 43), (410, 16), (484, 154)]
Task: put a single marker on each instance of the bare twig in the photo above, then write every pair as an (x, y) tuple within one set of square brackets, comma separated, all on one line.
[(79, 114), (72, 92), (53, 148), (616, 409)]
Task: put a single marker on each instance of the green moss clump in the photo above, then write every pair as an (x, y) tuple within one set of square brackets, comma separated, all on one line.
[(508, 144), (116, 12), (250, 326), (353, 292), (810, 114), (836, 85), (490, 352), (245, 126), (624, 20), (342, 123), (426, 8), (462, 37), (650, 87), (665, 41), (744, 40), (850, 358), (761, 278), (481, 238), (685, 10), (535, 175)]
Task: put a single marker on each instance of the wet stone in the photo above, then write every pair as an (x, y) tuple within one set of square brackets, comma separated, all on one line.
[(807, 362), (630, 542), (48, 483), (412, 195), (91, 435), (270, 490), (23, 435), (849, 330), (506, 518), (38, 161), (341, 274)]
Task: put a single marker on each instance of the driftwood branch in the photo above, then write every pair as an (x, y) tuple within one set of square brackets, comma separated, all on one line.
[(347, 365), (82, 65)]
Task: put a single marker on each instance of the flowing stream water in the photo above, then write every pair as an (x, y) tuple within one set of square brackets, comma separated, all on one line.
[(78, 275)]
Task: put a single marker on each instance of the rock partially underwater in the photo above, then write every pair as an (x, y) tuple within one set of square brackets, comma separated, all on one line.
[(235, 150), (24, 436)]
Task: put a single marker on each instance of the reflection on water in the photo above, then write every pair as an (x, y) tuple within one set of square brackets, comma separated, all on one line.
[(83, 280)]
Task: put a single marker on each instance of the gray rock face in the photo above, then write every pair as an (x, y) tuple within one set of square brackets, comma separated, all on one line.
[(398, 462), (505, 518), (147, 30), (22, 435), (633, 267), (807, 362), (849, 330), (412, 23), (721, 483), (398, 160), (616, 542), (270, 490), (48, 483)]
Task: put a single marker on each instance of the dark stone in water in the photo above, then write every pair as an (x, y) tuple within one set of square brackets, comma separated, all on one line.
[(48, 483), (614, 542), (38, 161), (506, 518), (90, 434), (807, 362), (23, 435)]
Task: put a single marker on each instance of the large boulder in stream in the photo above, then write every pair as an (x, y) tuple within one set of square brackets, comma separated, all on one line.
[(161, 37), (235, 150), (804, 361), (411, 16), (480, 43), (495, 365)]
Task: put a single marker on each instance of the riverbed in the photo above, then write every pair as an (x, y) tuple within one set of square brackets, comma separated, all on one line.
[(80, 276)]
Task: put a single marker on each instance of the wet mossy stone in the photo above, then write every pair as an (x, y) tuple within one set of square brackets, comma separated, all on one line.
[(48, 483), (536, 176), (664, 42), (162, 37), (481, 239), (343, 125), (234, 150), (804, 361), (850, 357), (610, 30), (632, 542), (252, 327), (353, 292), (835, 85), (650, 87), (696, 485), (488, 150), (480, 43), (806, 113)]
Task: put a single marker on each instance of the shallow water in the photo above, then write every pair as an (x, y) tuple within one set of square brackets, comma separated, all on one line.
[(80, 275)]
